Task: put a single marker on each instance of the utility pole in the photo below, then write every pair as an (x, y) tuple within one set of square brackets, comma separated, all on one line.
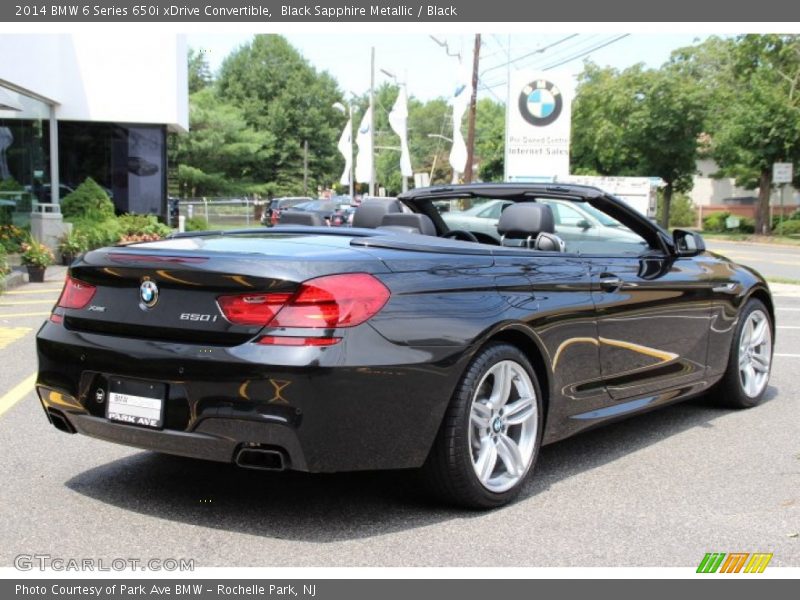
[(305, 168), (476, 58), (372, 121)]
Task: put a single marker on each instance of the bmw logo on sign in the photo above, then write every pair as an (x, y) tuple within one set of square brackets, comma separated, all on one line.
[(540, 102), (148, 293)]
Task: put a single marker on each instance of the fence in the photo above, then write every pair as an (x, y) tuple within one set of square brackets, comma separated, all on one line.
[(224, 213)]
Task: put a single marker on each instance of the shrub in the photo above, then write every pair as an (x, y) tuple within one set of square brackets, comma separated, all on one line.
[(143, 225), (746, 225), (715, 222), (11, 185), (89, 201), (791, 227), (98, 234), (73, 243), (682, 211), (4, 268), (12, 238), (196, 224)]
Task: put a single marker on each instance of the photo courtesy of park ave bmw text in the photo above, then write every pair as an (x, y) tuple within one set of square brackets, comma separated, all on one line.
[(366, 298)]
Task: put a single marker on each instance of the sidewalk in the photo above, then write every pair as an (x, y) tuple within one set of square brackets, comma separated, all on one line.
[(55, 274)]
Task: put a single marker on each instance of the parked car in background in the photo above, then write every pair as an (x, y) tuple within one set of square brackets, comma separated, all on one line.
[(273, 212), (574, 222)]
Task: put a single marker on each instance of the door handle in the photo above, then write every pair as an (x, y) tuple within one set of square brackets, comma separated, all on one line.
[(610, 283)]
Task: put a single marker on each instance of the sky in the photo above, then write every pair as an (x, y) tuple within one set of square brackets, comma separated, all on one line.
[(429, 72)]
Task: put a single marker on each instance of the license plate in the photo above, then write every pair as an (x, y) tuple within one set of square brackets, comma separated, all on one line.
[(136, 402)]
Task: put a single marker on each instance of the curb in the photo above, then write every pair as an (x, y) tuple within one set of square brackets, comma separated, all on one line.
[(12, 280)]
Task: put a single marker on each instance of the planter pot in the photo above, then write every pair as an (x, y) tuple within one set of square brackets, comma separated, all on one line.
[(36, 274), (66, 259)]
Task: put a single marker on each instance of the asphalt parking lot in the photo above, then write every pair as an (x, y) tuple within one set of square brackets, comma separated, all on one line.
[(656, 490)]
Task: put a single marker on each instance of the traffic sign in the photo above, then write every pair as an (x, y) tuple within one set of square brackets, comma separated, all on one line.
[(782, 173)]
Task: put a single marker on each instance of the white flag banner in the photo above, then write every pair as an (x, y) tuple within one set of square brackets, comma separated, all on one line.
[(398, 119), (460, 102), (346, 148), (364, 143)]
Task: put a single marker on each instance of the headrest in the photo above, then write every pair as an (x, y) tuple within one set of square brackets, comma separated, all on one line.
[(414, 221), (526, 219), (301, 217), (371, 212)]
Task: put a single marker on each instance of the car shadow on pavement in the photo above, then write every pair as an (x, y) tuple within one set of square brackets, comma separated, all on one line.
[(346, 506)]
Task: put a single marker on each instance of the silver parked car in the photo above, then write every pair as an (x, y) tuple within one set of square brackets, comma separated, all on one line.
[(575, 222)]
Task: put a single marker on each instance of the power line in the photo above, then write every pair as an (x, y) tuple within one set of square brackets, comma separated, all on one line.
[(537, 51), (608, 43)]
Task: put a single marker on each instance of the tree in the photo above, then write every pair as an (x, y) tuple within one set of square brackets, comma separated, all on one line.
[(756, 119), (490, 131), (199, 71), (279, 93), (638, 122), (222, 154)]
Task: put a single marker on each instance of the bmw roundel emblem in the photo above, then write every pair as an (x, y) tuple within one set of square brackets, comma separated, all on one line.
[(148, 293), (540, 102)]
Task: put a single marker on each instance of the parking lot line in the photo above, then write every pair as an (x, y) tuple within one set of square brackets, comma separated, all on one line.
[(787, 308), (11, 334), (788, 326), (30, 314), (17, 393), (31, 292), (26, 302), (787, 355)]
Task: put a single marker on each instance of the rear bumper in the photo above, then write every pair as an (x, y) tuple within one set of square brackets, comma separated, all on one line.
[(362, 404)]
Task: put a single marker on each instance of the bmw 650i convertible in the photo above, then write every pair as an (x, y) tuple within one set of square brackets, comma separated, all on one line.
[(398, 343)]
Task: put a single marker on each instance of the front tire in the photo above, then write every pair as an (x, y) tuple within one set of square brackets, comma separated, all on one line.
[(491, 433), (745, 381)]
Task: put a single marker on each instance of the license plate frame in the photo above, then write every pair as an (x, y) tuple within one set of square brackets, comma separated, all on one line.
[(136, 402)]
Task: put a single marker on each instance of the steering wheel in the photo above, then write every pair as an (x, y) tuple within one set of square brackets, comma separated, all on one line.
[(461, 234)]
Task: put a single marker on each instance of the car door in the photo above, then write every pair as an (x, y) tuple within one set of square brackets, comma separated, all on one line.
[(653, 318)]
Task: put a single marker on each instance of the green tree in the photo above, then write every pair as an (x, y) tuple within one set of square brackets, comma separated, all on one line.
[(199, 71), (281, 94), (756, 116), (222, 154), (490, 132), (638, 122)]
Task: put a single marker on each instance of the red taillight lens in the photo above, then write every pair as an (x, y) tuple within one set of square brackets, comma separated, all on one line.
[(332, 301), (76, 294), (252, 309), (270, 340)]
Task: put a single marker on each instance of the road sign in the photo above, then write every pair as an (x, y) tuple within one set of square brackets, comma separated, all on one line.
[(782, 173)]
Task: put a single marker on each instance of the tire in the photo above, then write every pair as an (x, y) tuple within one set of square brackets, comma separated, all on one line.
[(745, 381), (484, 432)]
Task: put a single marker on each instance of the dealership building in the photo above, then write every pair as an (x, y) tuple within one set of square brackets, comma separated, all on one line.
[(94, 105)]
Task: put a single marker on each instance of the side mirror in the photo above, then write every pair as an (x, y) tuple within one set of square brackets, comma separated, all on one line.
[(584, 224), (688, 243)]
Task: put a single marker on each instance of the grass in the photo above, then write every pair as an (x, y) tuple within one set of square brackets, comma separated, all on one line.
[(751, 237)]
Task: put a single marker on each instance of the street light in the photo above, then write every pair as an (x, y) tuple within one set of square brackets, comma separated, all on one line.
[(348, 110)]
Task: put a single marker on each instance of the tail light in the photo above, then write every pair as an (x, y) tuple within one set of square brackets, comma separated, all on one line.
[(329, 302), (76, 294), (252, 309)]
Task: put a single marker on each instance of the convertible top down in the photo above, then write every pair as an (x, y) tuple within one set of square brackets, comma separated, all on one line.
[(400, 343)]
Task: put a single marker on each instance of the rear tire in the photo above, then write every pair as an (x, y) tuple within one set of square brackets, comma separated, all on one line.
[(750, 361), (491, 433)]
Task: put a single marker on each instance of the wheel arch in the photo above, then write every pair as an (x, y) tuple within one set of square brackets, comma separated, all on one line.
[(762, 294), (523, 339)]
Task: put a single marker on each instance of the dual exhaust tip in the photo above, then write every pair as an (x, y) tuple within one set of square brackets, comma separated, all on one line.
[(263, 459)]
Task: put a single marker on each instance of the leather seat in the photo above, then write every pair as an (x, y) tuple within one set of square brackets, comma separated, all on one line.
[(371, 212), (408, 223), (299, 217), (529, 224)]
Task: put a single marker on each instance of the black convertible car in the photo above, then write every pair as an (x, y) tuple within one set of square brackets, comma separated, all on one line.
[(398, 343)]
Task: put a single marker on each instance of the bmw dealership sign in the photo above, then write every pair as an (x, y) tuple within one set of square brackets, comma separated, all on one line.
[(538, 127)]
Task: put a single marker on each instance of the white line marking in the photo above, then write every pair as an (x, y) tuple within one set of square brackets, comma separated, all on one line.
[(787, 308), (788, 355), (788, 326)]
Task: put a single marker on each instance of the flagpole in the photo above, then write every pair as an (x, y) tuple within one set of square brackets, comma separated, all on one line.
[(352, 159), (372, 121)]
